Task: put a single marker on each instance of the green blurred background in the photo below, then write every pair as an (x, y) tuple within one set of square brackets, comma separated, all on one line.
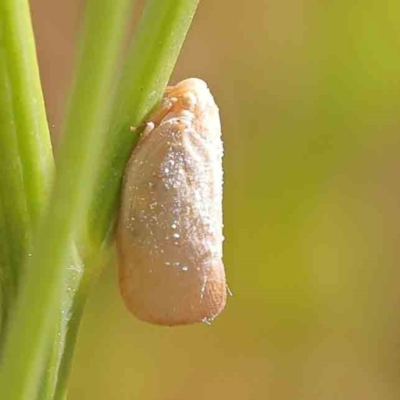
[(309, 93)]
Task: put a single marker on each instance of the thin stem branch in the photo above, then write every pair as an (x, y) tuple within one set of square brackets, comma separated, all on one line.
[(155, 49), (27, 103), (26, 163), (38, 308), (153, 54)]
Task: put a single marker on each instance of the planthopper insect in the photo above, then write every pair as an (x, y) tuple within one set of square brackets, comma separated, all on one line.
[(169, 231)]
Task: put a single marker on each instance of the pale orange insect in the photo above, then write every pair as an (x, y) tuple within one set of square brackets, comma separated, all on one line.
[(169, 233)]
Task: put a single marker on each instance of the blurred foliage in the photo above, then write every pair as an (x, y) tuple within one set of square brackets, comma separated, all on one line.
[(309, 94)]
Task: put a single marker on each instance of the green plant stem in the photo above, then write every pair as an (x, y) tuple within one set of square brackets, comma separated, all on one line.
[(38, 307), (72, 300), (153, 54), (155, 49), (27, 103), (7, 284), (17, 225), (76, 310), (26, 162)]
